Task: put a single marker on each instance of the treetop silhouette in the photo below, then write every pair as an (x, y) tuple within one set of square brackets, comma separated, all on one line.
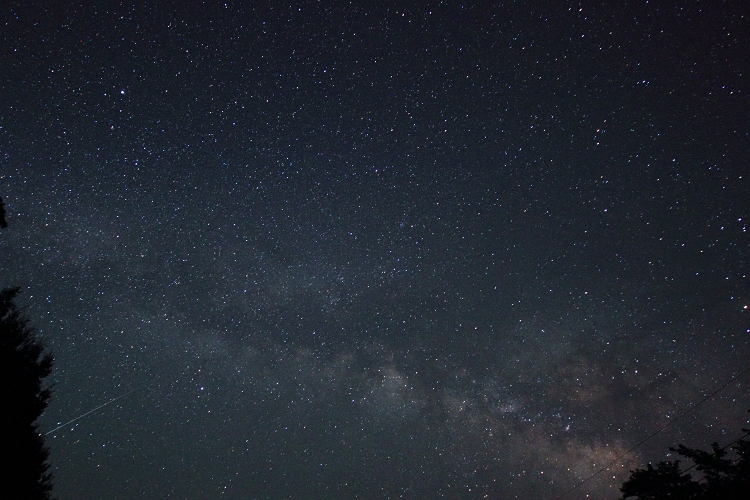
[(24, 471), (718, 477)]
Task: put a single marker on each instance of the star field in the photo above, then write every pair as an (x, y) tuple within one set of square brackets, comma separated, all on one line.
[(378, 251)]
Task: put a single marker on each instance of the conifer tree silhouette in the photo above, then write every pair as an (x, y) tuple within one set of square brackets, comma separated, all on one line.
[(3, 222), (24, 471)]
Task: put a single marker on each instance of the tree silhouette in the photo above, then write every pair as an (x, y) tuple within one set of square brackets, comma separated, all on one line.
[(3, 222), (24, 471), (719, 477)]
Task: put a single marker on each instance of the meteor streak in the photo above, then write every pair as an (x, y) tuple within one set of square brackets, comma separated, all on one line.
[(90, 412)]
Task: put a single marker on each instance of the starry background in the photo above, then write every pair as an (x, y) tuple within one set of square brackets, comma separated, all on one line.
[(378, 251)]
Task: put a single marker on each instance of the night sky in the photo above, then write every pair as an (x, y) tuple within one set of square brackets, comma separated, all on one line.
[(377, 251)]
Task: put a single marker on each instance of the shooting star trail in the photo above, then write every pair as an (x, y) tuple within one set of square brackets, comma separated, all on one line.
[(90, 412)]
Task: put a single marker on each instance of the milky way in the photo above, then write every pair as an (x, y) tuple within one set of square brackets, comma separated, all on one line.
[(378, 252)]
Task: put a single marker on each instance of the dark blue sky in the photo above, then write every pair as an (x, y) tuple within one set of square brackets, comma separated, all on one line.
[(339, 251)]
